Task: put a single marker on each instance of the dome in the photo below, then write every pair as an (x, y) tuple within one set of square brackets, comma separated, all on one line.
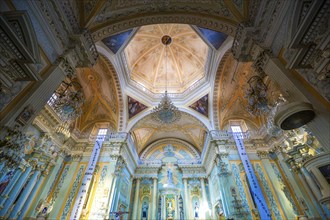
[(185, 63)]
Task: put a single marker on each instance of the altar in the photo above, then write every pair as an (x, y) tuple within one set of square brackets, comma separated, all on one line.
[(171, 202)]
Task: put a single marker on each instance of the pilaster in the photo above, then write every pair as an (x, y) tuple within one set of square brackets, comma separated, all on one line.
[(276, 185), (136, 199), (60, 200), (154, 199), (45, 187)]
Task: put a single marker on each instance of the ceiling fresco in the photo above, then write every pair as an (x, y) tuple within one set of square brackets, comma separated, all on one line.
[(101, 103), (188, 128), (178, 66), (231, 100), (232, 85)]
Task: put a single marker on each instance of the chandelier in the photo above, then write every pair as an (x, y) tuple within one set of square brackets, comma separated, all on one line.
[(256, 96), (166, 112), (67, 104)]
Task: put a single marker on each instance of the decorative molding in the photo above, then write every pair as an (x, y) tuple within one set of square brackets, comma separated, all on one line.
[(269, 194), (171, 141), (123, 25), (262, 154)]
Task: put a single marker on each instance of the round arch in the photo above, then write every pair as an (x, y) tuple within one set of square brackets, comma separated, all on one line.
[(221, 24)]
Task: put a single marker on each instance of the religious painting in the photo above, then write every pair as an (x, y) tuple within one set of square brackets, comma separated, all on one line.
[(5, 180), (202, 105), (134, 107), (115, 42), (325, 170)]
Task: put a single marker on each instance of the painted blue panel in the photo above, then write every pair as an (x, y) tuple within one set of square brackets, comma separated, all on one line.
[(114, 42), (256, 191), (215, 38)]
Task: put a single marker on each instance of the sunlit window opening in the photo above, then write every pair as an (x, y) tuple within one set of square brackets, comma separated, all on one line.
[(52, 99), (102, 132), (236, 129)]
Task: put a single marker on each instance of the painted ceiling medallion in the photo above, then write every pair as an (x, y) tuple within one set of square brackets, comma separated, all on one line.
[(186, 61)]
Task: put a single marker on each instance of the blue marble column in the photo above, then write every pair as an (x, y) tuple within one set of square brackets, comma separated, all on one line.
[(4, 195), (14, 192), (2, 166), (29, 200), (47, 185), (26, 192)]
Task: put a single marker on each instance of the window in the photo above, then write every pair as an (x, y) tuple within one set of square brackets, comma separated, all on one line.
[(52, 99), (236, 129), (102, 131)]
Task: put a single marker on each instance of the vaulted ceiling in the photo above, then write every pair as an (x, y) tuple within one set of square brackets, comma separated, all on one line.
[(141, 58), (188, 128), (101, 96)]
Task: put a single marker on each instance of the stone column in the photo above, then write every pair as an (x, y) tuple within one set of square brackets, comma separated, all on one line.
[(281, 198), (186, 199), (14, 192), (163, 207), (60, 200), (225, 181), (301, 188), (114, 205), (177, 212), (31, 197), (136, 199), (25, 194), (5, 193), (48, 183), (205, 204), (154, 199), (2, 166), (111, 194)]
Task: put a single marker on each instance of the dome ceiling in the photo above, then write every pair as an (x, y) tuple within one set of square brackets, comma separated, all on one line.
[(186, 58)]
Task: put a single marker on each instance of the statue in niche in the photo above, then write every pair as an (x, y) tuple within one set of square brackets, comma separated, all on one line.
[(196, 210), (144, 211), (169, 176)]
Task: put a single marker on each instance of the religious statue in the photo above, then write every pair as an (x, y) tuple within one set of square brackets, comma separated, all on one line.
[(169, 176), (196, 210), (170, 209), (144, 211)]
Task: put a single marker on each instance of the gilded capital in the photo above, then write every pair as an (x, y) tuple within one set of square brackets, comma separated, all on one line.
[(76, 157), (262, 154)]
